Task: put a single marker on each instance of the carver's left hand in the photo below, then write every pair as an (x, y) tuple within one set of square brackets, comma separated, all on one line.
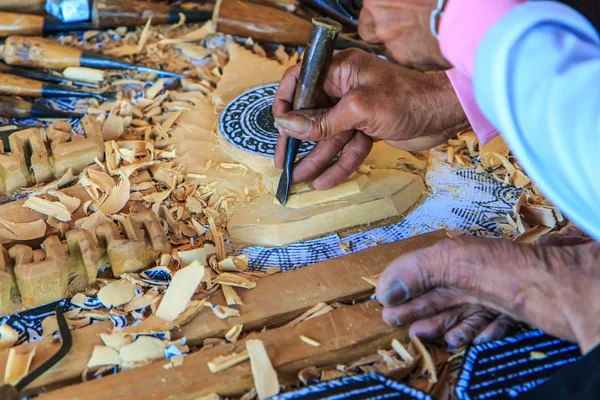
[(553, 287), (403, 26)]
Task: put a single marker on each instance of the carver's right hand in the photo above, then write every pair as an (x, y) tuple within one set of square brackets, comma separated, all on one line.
[(367, 99)]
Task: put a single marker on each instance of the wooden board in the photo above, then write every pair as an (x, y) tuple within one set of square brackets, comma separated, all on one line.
[(276, 299), (388, 193), (346, 334)]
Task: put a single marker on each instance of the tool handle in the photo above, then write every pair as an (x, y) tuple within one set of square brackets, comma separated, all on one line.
[(261, 22), (12, 85), (24, 6), (39, 53), (20, 24), (11, 107), (8, 392), (315, 63)]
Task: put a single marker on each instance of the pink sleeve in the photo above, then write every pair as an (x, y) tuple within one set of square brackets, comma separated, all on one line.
[(464, 90), (463, 25)]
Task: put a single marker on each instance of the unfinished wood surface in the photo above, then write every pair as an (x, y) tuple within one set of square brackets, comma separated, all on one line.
[(238, 76), (346, 334), (275, 300), (388, 193)]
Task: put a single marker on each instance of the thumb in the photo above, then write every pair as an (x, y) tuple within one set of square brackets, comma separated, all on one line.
[(323, 124)]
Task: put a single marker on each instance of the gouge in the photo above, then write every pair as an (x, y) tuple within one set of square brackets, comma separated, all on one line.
[(9, 392), (12, 85), (43, 53), (11, 107), (315, 63), (39, 75)]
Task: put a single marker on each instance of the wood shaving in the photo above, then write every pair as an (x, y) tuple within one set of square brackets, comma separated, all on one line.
[(117, 293), (8, 337), (182, 288), (71, 203), (21, 231), (200, 255), (234, 263), (17, 365), (265, 377), (115, 341), (221, 363), (310, 341), (223, 312), (176, 361), (428, 364), (319, 309), (144, 349), (228, 279), (402, 351), (103, 356), (117, 199), (49, 208), (231, 296), (233, 334)]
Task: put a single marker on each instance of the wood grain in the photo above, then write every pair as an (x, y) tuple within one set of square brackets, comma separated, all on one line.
[(346, 334), (276, 299), (261, 22), (39, 53), (20, 24), (23, 6)]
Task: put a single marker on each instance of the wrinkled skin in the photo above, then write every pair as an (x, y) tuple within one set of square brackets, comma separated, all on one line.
[(367, 99), (552, 286), (404, 27)]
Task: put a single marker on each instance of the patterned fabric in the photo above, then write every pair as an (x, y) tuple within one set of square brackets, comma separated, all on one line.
[(507, 368), (370, 386)]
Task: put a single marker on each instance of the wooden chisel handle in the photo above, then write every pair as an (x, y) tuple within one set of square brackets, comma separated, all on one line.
[(39, 53), (13, 85), (12, 107), (20, 24), (23, 6)]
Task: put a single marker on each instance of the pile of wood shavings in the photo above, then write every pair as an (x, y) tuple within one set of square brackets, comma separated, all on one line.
[(533, 215)]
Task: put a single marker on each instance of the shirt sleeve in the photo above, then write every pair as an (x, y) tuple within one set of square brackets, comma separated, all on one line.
[(463, 87), (535, 72)]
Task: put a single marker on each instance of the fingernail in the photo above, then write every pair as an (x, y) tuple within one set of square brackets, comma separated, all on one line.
[(293, 123), (393, 321), (480, 340), (396, 293)]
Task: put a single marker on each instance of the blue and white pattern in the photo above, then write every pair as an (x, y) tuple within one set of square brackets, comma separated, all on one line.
[(248, 124), (369, 386), (461, 200), (507, 368)]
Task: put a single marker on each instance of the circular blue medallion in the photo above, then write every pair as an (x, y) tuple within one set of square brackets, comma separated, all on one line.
[(248, 124)]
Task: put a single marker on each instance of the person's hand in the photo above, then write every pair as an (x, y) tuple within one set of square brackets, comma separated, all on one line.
[(370, 99), (552, 287), (403, 26)]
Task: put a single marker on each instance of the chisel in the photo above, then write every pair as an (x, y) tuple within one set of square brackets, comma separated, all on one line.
[(40, 75), (315, 63), (12, 85), (36, 25), (43, 53), (11, 107)]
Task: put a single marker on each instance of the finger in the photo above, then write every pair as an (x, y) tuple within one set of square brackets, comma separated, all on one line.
[(366, 27), (284, 97), (467, 329), (317, 161), (423, 307), (352, 156), (497, 329), (556, 239), (440, 324), (477, 266), (323, 124)]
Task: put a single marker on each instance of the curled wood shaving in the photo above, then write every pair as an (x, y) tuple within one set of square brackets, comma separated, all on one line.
[(221, 363), (117, 199), (71, 203), (234, 263), (22, 230), (223, 312), (227, 279), (233, 334), (102, 180), (402, 351), (200, 254), (17, 365), (310, 341), (265, 377), (428, 364), (49, 208), (8, 337)]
